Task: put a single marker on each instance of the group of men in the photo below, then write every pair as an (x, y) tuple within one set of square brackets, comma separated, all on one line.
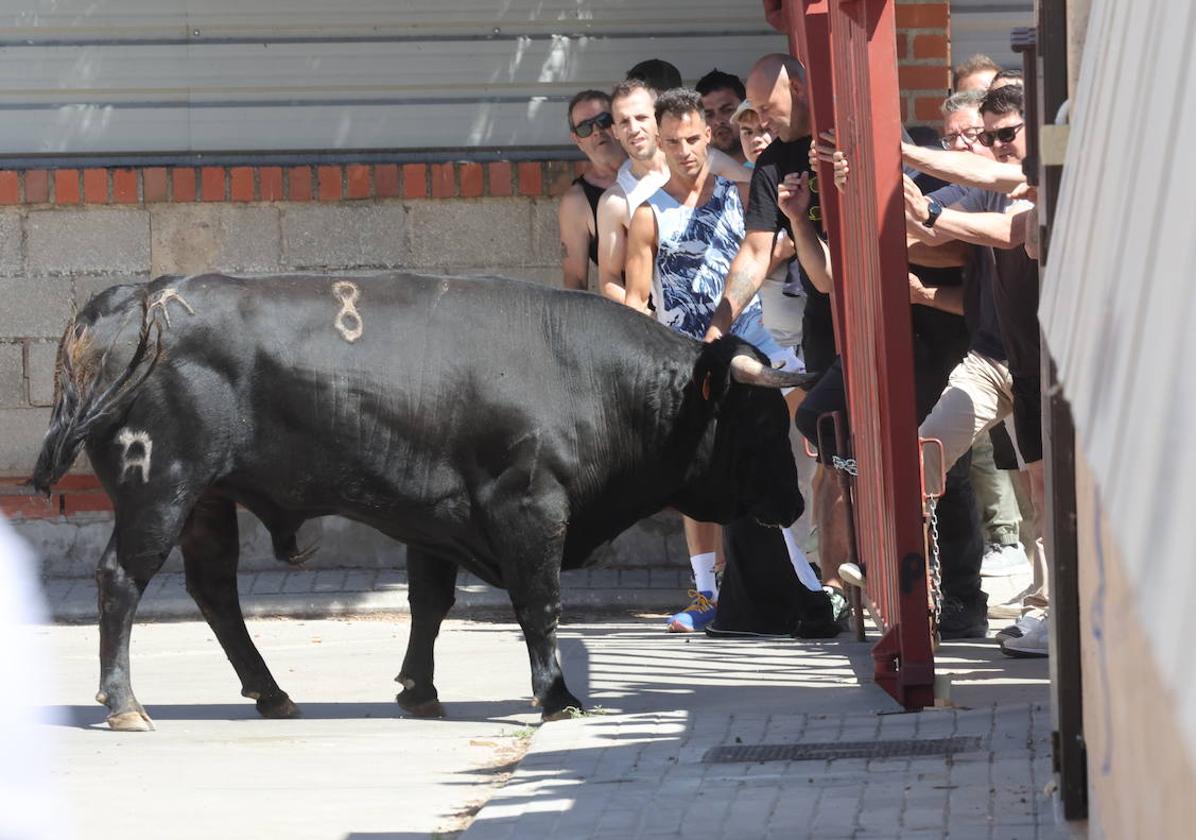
[(700, 208)]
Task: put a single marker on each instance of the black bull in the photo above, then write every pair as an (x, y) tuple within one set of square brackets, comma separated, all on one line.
[(495, 425)]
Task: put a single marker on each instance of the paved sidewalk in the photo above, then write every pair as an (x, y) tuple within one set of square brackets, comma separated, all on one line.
[(322, 593), (653, 776), (643, 766)]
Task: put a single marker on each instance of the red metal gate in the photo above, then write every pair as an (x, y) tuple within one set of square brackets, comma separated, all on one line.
[(849, 49)]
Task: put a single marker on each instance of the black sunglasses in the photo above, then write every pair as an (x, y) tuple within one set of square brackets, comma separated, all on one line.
[(599, 121), (1005, 135)]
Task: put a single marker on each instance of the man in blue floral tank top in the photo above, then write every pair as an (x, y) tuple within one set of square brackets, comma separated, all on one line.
[(681, 242)]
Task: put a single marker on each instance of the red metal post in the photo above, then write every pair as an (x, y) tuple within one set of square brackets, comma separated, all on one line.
[(849, 48)]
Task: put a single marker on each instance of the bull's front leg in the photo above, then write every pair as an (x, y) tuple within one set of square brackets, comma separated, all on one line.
[(431, 592)]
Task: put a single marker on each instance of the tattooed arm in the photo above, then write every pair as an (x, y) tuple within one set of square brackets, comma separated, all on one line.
[(575, 223), (744, 277)]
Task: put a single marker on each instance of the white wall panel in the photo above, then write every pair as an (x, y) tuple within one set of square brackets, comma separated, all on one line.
[(131, 76), (1119, 305)]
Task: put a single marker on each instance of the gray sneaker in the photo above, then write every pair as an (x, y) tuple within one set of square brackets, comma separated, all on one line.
[(1025, 624), (1034, 643), (1003, 561)]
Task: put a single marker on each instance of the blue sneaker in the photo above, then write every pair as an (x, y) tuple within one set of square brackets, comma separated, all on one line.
[(697, 615)]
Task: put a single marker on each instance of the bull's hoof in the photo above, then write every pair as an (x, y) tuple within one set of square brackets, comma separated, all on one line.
[(278, 708), (567, 713), (130, 722), (420, 708)]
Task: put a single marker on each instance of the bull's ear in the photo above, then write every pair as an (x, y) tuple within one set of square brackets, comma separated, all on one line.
[(712, 373)]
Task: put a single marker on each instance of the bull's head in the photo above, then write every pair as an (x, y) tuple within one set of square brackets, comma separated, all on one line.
[(745, 465)]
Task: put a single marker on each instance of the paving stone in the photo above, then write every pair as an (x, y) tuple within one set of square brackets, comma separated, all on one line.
[(634, 578), (546, 232), (329, 581), (21, 434), (269, 583), (40, 359), (499, 233), (12, 376), (11, 261), (87, 241), (390, 578), (359, 581), (34, 306), (344, 236), (197, 238)]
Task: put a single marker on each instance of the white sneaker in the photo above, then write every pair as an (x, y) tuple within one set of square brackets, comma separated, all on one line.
[(1024, 625), (1003, 561), (851, 573), (1011, 608), (1035, 642)]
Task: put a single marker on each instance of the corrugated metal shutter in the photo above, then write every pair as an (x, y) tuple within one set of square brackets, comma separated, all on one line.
[(1119, 304), (79, 77), (982, 26)]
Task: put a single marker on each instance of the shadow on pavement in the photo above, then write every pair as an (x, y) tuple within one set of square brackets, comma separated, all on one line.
[(502, 712)]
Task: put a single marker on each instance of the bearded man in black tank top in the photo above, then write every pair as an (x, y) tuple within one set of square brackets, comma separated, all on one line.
[(589, 128)]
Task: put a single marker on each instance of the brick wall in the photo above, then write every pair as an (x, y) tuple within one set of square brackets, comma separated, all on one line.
[(246, 184), (924, 58)]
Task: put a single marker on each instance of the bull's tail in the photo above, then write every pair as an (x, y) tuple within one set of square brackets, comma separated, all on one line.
[(83, 400)]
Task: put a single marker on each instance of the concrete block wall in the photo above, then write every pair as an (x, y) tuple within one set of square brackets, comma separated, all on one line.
[(67, 234)]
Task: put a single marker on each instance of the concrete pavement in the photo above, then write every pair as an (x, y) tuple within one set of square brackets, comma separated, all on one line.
[(354, 768)]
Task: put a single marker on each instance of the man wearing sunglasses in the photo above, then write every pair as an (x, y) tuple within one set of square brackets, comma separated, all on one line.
[(962, 127), (590, 124), (994, 382)]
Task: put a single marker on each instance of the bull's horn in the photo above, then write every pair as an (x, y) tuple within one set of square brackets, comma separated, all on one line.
[(749, 371)]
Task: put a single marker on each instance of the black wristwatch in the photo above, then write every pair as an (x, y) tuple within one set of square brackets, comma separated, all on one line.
[(934, 209)]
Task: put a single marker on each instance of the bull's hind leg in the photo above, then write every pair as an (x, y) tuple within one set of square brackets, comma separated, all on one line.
[(119, 594), (210, 552), (139, 545), (431, 588)]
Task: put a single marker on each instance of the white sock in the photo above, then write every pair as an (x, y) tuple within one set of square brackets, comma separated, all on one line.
[(703, 566), (801, 563)]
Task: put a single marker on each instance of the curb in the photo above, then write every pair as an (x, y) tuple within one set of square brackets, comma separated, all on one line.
[(176, 605)]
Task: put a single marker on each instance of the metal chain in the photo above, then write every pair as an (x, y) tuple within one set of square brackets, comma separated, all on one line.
[(847, 465), (936, 569)]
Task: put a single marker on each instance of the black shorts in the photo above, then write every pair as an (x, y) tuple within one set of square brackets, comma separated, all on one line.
[(1004, 453), (1027, 416)]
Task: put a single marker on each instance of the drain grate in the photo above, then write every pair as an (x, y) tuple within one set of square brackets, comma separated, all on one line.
[(841, 749)]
